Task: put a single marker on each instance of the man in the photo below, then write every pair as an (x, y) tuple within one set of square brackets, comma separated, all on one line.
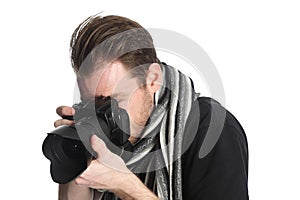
[(169, 123)]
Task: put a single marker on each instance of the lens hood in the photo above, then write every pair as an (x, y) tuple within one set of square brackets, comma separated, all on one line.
[(67, 154)]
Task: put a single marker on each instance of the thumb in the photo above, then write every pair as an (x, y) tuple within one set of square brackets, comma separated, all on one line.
[(106, 157), (98, 146)]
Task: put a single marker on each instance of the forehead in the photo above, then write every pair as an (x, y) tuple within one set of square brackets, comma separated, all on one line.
[(112, 80)]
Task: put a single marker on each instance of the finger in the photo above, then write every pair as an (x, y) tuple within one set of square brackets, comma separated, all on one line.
[(98, 145), (60, 122), (106, 157), (65, 111), (81, 181)]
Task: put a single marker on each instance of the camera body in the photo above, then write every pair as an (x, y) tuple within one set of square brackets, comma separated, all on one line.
[(68, 147)]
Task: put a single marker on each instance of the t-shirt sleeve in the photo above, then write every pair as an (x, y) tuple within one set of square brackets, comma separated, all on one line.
[(223, 172)]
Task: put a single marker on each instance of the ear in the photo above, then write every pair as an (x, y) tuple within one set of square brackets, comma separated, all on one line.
[(154, 77)]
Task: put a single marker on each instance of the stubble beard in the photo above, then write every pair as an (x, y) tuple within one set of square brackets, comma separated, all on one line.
[(137, 126)]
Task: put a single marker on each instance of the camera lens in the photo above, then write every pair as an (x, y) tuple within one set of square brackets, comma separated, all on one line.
[(73, 149), (67, 154)]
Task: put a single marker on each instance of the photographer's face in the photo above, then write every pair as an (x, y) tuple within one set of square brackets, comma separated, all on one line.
[(115, 81)]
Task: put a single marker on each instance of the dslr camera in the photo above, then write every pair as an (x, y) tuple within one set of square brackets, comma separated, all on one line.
[(68, 147)]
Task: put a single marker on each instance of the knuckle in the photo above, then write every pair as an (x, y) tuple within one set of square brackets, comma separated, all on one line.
[(59, 110), (94, 162), (64, 110), (77, 181), (62, 122), (56, 123)]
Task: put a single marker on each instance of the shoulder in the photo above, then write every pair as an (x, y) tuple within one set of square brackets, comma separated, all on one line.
[(210, 123), (216, 153)]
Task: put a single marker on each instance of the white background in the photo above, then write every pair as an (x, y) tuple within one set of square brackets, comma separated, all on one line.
[(255, 46)]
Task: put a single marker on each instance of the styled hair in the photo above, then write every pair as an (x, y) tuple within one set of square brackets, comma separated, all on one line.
[(98, 41)]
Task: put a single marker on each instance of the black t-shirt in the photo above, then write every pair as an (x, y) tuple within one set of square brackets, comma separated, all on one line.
[(223, 172)]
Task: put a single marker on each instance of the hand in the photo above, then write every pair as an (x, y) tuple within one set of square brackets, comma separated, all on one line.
[(105, 172), (70, 190), (64, 111)]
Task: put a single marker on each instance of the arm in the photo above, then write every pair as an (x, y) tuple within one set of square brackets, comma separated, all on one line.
[(130, 187), (73, 191), (109, 172)]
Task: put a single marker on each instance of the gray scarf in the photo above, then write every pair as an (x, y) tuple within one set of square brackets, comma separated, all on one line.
[(157, 153)]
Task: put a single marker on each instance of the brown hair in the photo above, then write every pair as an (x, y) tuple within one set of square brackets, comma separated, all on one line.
[(100, 40)]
